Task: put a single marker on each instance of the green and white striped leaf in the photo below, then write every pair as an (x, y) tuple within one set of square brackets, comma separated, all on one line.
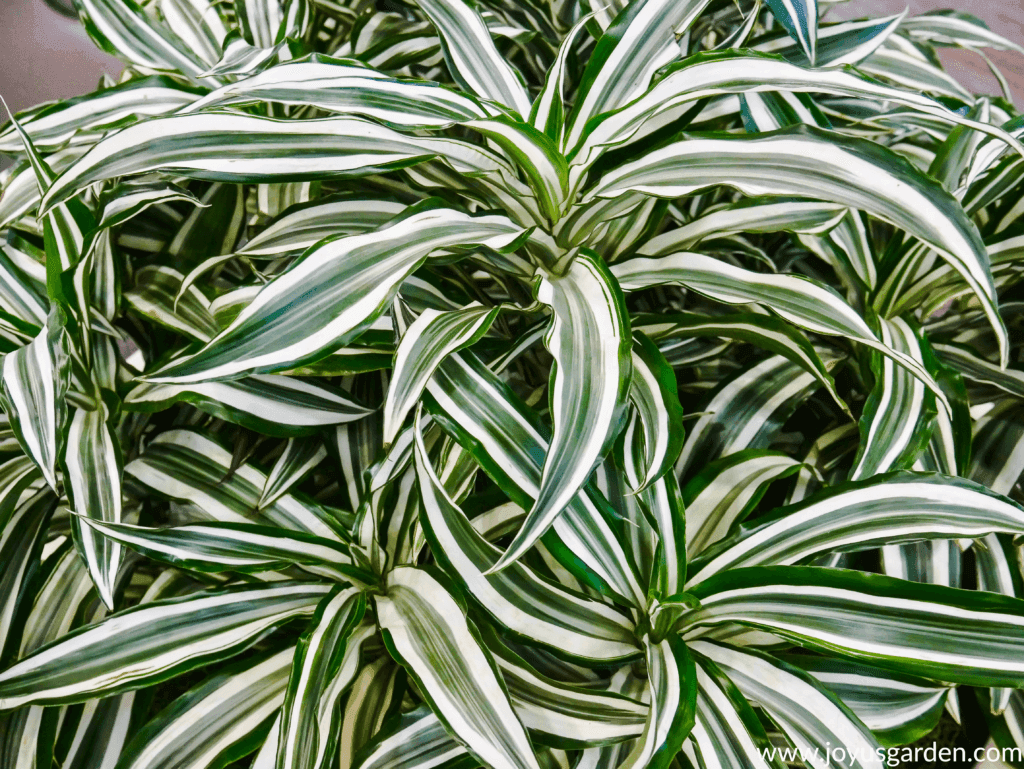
[(977, 369), (795, 298), (414, 739), (726, 490), (153, 642), (749, 215), (527, 605), (303, 226), (218, 719), (64, 230), (92, 475), (21, 295), (334, 147), (563, 715), (508, 441), (548, 111), (259, 20), (72, 120), (349, 87), (161, 295), (200, 23), (35, 381), (1008, 731), (900, 61), (727, 732), (812, 718), (996, 560), (955, 28), (303, 738), (473, 59), (122, 28), (234, 547), (328, 711), (888, 509), (655, 435), (800, 20), (427, 630), (20, 543), (535, 153), (897, 421), (240, 59), (21, 190), (672, 677), (662, 504), (128, 199), (752, 76), (764, 112), (270, 403), (810, 162), (354, 279), (897, 709), (746, 413), (936, 632), (375, 696), (430, 338), (589, 341), (766, 332), (624, 682), (95, 734), (639, 42), (845, 42), (16, 475), (190, 467), (300, 457), (996, 459)]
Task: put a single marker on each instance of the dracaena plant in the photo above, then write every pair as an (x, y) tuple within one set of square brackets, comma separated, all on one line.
[(427, 384)]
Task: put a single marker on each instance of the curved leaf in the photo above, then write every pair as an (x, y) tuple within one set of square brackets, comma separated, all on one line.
[(270, 403), (886, 509), (214, 720), (509, 442), (190, 467), (427, 630), (529, 606), (350, 280), (726, 490), (589, 341), (472, 57), (92, 473), (302, 743), (810, 162), (35, 380), (814, 719), (428, 340), (234, 547), (797, 299), (153, 642), (931, 631)]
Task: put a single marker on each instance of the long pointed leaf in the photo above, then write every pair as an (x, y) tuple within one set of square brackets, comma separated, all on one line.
[(427, 630), (522, 602), (810, 162), (318, 658), (153, 642), (925, 630), (350, 280), (589, 341), (885, 509)]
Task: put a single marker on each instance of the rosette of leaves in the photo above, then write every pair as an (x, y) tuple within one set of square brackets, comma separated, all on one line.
[(511, 385)]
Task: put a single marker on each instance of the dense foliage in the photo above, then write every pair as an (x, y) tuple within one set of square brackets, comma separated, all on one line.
[(407, 385)]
